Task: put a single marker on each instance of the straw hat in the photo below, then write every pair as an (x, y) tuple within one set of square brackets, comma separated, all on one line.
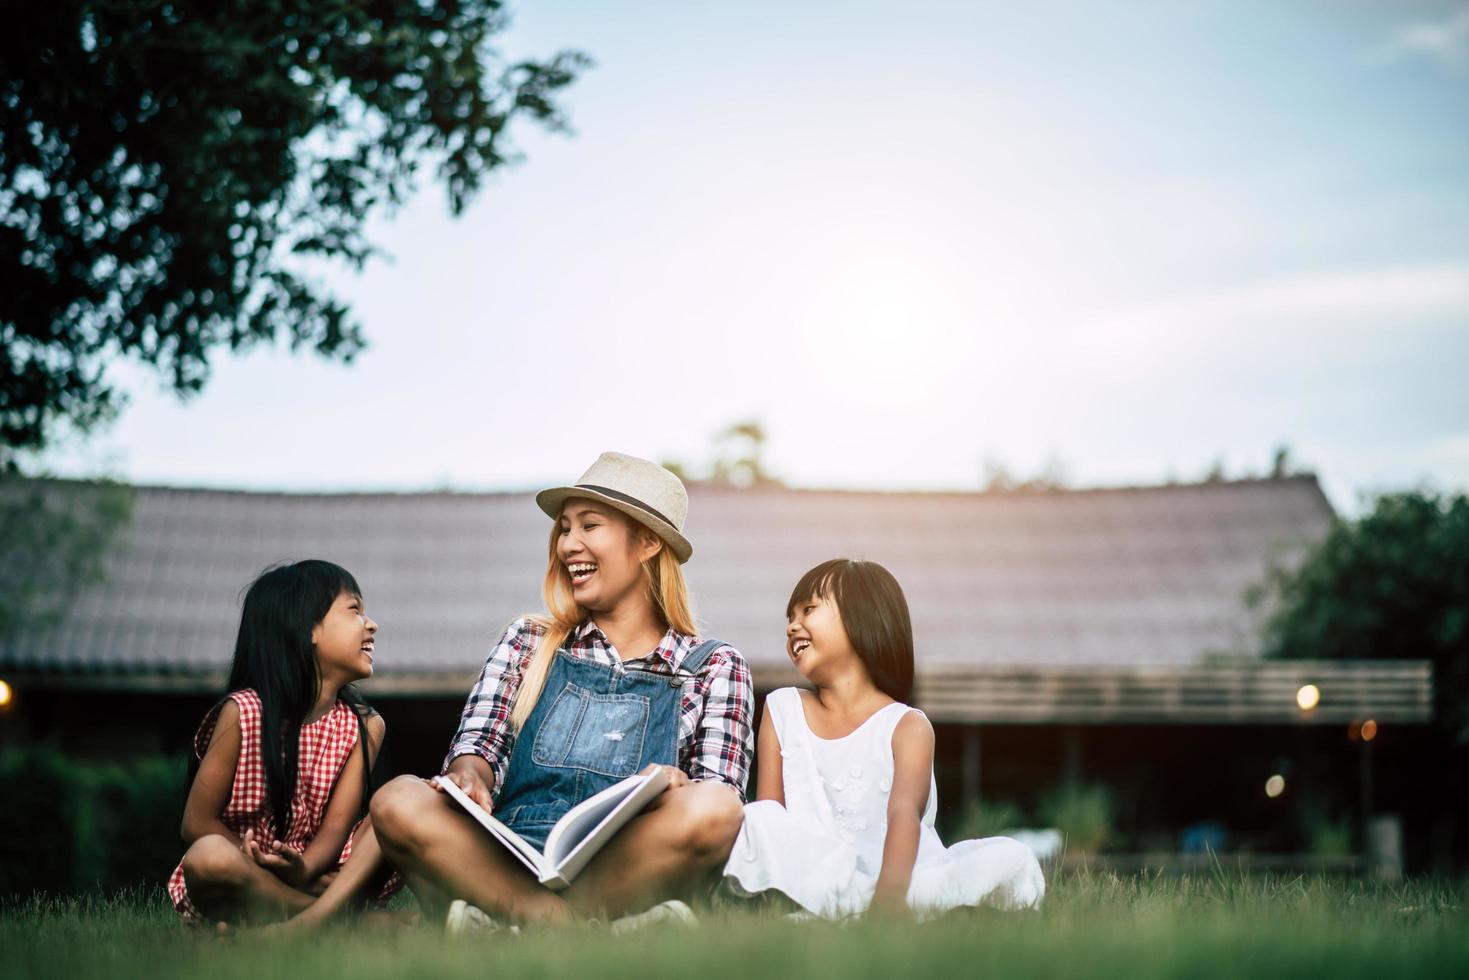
[(641, 489)]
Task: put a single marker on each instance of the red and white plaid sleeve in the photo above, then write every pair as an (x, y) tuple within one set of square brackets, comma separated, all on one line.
[(724, 736), (484, 725)]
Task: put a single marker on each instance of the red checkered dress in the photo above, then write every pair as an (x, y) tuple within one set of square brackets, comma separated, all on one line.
[(325, 746)]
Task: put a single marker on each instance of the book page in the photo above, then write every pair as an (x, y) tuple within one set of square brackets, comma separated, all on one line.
[(528, 855), (591, 823)]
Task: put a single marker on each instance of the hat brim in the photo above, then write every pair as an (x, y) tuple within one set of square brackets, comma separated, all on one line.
[(551, 501)]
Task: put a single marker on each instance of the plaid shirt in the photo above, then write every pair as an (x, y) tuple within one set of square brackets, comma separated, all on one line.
[(715, 737)]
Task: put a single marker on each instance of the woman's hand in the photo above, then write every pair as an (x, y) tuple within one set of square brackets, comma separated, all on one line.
[(277, 857), (676, 778), (471, 782)]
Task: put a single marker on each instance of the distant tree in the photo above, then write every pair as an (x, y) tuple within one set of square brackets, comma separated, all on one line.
[(1393, 584), (54, 539), (162, 164), (1281, 464), (999, 479), (737, 459)]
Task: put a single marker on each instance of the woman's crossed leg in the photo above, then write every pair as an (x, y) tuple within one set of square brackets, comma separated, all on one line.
[(665, 852)]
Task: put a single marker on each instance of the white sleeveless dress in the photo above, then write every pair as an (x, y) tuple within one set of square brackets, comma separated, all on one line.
[(823, 849)]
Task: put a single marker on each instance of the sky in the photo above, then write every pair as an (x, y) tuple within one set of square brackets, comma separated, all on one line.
[(1128, 239)]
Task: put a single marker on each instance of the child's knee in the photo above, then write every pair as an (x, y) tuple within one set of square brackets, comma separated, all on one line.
[(213, 861), (1020, 860)]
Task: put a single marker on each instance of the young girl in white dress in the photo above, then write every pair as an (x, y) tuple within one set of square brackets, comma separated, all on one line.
[(843, 821)]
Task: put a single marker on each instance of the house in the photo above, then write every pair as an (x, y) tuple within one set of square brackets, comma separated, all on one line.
[(1061, 635)]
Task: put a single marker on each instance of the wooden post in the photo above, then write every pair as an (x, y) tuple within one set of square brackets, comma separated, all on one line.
[(970, 765), (1071, 757), (1369, 793)]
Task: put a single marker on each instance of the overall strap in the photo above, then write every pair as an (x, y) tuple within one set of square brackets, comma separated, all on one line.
[(699, 656)]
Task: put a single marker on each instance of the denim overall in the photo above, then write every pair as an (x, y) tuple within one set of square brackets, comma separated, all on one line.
[(592, 726)]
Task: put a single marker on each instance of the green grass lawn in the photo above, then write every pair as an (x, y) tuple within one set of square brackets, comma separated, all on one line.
[(1092, 924)]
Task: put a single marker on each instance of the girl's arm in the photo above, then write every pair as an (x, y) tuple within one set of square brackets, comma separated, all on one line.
[(912, 771), (342, 810), (770, 782), (210, 792)]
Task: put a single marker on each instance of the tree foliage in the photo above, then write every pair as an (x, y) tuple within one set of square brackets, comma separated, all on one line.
[(736, 460), (1391, 585), (999, 479), (164, 166), (55, 536)]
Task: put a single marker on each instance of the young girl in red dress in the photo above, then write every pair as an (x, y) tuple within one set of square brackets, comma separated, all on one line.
[(281, 772)]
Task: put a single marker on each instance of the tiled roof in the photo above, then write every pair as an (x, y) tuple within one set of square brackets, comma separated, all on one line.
[(1116, 577)]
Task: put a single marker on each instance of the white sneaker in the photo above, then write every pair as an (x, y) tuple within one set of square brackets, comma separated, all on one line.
[(669, 913), (465, 919)]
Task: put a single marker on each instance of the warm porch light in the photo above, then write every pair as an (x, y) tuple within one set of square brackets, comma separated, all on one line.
[(1308, 697), (1369, 730), (1274, 786), (6, 693)]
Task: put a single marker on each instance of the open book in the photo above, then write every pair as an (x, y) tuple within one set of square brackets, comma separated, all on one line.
[(579, 834)]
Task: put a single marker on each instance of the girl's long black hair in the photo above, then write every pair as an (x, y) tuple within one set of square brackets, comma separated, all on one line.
[(275, 657)]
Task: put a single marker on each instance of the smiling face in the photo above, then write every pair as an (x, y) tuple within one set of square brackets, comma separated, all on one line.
[(602, 553), (344, 640), (816, 639)]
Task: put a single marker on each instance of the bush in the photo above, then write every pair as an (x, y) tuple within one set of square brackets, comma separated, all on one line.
[(984, 819), (1393, 584), (1083, 813), (87, 826), (1328, 837), (37, 844)]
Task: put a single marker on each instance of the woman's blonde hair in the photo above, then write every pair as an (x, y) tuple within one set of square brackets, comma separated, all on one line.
[(664, 577)]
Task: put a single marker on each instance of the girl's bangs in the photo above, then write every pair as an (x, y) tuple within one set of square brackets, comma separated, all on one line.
[(345, 581), (822, 582), (329, 579)]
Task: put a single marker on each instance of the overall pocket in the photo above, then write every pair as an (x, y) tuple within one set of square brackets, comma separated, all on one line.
[(599, 733)]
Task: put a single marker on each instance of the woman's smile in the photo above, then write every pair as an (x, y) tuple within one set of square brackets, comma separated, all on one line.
[(581, 571)]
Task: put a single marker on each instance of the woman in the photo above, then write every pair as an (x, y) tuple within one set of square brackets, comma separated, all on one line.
[(617, 620)]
